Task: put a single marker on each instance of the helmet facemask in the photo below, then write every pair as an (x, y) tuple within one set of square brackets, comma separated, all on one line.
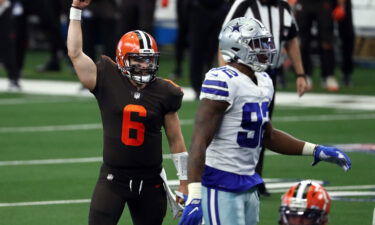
[(141, 67), (261, 53), (302, 216), (247, 41)]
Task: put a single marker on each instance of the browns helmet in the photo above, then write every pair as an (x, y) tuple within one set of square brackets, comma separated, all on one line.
[(137, 56), (305, 203)]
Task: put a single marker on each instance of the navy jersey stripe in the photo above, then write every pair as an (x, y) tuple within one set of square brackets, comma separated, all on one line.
[(216, 83), (215, 91)]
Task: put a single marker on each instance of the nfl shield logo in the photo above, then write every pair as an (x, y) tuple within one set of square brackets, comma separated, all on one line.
[(137, 95)]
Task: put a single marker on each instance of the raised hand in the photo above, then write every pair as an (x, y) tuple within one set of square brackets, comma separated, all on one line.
[(81, 3), (332, 155)]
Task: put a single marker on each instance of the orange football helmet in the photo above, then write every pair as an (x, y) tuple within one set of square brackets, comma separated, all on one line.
[(137, 56), (305, 203)]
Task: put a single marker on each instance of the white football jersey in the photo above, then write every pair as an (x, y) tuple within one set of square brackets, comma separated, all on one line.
[(236, 146)]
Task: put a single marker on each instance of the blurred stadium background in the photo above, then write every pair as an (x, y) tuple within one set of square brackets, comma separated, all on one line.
[(51, 138)]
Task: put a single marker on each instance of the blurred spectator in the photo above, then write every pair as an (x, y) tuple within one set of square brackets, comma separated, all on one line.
[(7, 45), (205, 21), (99, 27), (48, 12), (278, 18), (319, 13), (342, 13), (137, 15), (183, 9)]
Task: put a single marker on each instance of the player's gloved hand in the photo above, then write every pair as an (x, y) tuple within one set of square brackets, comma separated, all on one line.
[(332, 155), (192, 214), (338, 13)]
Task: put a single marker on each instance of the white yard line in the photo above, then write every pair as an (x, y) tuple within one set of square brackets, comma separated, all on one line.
[(72, 127), (94, 126), (328, 117), (57, 202), (275, 189), (59, 161), (40, 100), (353, 187)]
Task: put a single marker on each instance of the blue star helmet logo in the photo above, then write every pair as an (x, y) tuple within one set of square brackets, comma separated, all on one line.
[(236, 27)]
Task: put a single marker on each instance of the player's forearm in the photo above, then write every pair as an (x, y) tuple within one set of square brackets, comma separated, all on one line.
[(74, 42), (197, 153), (196, 163), (294, 54), (174, 134), (283, 143)]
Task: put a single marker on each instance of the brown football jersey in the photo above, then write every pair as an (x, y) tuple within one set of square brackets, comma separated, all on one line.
[(132, 119)]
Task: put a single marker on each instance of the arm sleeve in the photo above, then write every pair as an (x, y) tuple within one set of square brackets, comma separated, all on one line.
[(218, 87), (174, 99)]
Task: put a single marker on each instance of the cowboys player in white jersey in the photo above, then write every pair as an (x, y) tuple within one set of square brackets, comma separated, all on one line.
[(231, 126)]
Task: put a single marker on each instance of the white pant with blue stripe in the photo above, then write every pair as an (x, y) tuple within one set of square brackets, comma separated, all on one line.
[(230, 208)]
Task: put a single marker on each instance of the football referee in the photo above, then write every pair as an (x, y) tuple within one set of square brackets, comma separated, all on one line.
[(277, 17)]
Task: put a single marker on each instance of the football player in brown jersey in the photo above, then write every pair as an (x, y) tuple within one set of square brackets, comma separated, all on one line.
[(134, 106)]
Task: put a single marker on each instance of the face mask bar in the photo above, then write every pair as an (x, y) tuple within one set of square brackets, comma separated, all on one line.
[(265, 48), (315, 216), (141, 67), (142, 63)]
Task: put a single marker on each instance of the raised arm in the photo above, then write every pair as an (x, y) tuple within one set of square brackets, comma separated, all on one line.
[(83, 65)]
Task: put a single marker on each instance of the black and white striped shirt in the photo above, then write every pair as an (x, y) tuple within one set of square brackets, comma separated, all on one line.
[(277, 18)]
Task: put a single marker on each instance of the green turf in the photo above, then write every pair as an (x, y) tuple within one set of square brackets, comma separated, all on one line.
[(76, 181), (363, 77)]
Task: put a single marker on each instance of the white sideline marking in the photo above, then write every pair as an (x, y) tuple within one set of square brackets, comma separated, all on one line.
[(373, 218), (59, 161), (94, 126), (339, 101)]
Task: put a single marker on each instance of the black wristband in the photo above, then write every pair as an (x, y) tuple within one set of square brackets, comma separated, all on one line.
[(301, 75)]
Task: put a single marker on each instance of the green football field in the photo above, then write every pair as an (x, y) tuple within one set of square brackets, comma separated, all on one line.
[(50, 152)]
